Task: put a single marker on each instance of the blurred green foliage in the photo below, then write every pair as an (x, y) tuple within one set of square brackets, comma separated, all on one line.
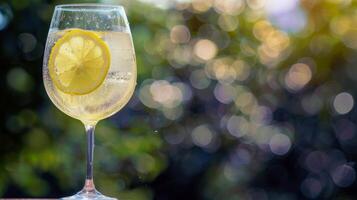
[(236, 99)]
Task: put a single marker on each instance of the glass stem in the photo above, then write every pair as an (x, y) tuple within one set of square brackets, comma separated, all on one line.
[(89, 184)]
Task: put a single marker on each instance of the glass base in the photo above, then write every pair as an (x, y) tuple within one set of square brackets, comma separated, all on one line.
[(85, 195), (88, 193)]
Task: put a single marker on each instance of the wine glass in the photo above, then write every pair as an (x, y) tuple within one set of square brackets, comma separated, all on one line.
[(89, 69)]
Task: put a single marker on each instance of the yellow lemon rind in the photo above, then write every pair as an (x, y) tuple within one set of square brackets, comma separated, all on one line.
[(65, 38)]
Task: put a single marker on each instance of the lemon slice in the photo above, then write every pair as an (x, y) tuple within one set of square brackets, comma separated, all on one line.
[(79, 62)]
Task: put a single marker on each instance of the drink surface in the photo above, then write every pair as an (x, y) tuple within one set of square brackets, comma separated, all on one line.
[(116, 89)]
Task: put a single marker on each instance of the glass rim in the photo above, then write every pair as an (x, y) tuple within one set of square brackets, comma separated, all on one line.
[(89, 6)]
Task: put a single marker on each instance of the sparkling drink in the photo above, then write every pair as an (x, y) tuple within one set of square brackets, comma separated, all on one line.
[(112, 94)]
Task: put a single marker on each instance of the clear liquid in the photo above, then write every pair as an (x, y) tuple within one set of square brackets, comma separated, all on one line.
[(114, 92)]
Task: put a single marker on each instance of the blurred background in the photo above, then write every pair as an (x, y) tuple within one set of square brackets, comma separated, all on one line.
[(236, 100)]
